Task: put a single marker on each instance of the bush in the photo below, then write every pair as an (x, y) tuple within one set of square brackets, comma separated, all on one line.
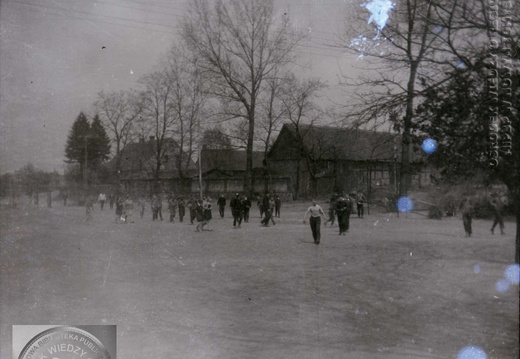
[(434, 212)]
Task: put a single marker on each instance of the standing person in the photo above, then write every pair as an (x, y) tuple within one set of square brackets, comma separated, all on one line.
[(153, 207), (128, 209), (360, 202), (272, 205), (268, 213), (102, 199), (89, 207), (221, 203), (246, 205), (141, 204), (343, 210), (260, 205), (192, 205), (65, 197), (111, 198), (265, 204), (316, 212), (277, 205), (199, 212), (332, 212), (466, 208), (182, 208), (206, 204), (172, 207), (497, 204), (236, 210), (159, 206), (119, 209)]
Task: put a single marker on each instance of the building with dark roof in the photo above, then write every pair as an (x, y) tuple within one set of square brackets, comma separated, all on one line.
[(223, 171), (136, 166), (321, 160)]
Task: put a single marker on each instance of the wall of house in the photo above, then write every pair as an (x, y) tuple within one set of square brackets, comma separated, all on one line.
[(229, 186)]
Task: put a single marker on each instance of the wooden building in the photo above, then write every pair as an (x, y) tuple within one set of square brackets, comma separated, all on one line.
[(320, 160), (223, 172), (135, 168)]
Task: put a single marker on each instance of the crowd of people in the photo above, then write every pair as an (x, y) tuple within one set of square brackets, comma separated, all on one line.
[(199, 210), (341, 207)]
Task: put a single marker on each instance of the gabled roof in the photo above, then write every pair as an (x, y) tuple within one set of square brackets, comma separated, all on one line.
[(331, 143), (228, 160), (137, 160)]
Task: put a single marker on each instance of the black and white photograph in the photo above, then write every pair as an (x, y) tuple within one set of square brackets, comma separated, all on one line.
[(221, 179)]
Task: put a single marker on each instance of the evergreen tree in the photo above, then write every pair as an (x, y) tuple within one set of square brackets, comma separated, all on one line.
[(76, 142), (454, 115), (98, 147)]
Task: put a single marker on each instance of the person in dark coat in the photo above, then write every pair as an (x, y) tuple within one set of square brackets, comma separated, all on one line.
[(237, 210), (343, 210), (159, 206), (268, 213), (182, 208), (246, 204), (221, 203), (199, 213), (332, 212), (192, 205), (497, 205), (154, 205), (466, 208), (172, 207), (119, 209), (360, 202), (277, 206)]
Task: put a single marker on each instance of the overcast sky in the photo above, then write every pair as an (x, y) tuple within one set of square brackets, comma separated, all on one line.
[(56, 55)]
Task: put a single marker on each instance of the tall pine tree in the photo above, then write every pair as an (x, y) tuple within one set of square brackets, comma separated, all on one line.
[(76, 142), (87, 144), (98, 144)]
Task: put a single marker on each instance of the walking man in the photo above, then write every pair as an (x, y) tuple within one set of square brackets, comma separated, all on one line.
[(155, 207), (102, 199), (182, 209), (497, 204), (141, 205), (172, 207), (316, 212), (466, 208), (128, 209), (360, 201), (343, 210), (221, 203), (192, 206), (236, 210), (277, 205), (199, 212), (246, 204)]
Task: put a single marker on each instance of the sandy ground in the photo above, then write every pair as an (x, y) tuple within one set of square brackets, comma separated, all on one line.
[(406, 287)]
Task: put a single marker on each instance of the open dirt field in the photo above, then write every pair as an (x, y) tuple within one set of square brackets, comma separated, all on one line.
[(406, 287)]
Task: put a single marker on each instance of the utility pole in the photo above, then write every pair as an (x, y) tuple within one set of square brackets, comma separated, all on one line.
[(85, 177), (200, 172)]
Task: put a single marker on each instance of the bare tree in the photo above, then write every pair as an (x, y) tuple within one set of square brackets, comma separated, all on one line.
[(298, 101), (272, 110), (189, 100), (159, 115), (118, 112), (401, 51), (239, 43)]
